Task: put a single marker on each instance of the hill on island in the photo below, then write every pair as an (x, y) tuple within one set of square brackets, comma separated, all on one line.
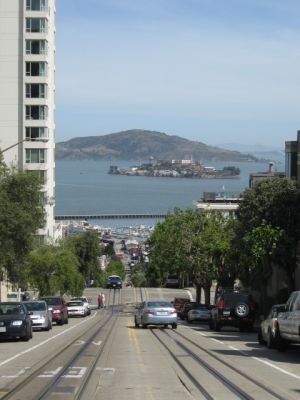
[(138, 144)]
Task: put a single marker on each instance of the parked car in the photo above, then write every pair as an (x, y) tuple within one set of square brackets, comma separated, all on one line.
[(58, 307), (85, 302), (41, 317), (76, 308), (288, 322), (199, 312), (183, 313), (233, 308), (179, 302), (267, 329), (171, 282), (114, 282), (155, 312), (15, 321)]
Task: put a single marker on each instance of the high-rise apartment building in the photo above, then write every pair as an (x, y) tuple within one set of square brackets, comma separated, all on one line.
[(27, 89)]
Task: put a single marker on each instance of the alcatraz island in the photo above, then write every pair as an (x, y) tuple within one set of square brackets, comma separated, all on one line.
[(176, 169)]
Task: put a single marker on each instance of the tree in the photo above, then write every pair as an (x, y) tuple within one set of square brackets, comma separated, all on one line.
[(54, 269), (192, 243), (274, 204), (87, 250), (21, 215)]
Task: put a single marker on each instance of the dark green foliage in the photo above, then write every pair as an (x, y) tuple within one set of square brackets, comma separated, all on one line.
[(86, 248), (21, 215), (268, 230), (53, 270)]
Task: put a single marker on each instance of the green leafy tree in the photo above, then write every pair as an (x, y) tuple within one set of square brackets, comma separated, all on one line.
[(54, 269), (21, 215), (275, 203), (192, 243), (87, 250)]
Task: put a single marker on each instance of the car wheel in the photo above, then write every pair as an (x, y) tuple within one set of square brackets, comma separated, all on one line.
[(211, 324), (66, 321), (136, 323), (217, 326), (241, 310), (174, 326), (28, 335), (270, 340), (260, 337), (60, 322), (48, 326), (280, 344)]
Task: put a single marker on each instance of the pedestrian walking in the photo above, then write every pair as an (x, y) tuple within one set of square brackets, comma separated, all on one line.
[(100, 301), (103, 300)]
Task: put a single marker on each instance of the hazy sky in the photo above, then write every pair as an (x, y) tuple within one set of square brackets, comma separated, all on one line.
[(216, 71)]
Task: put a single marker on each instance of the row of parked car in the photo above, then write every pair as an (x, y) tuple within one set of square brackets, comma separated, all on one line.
[(18, 319), (231, 308)]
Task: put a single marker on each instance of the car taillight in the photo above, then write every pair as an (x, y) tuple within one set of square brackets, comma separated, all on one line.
[(149, 312), (221, 304), (173, 312)]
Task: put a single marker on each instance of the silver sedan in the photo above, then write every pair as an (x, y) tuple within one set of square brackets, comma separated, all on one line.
[(41, 317), (155, 312)]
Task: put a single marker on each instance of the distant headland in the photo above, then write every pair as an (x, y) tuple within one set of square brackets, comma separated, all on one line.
[(138, 144)]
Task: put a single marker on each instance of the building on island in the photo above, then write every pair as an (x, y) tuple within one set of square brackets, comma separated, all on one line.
[(27, 93)]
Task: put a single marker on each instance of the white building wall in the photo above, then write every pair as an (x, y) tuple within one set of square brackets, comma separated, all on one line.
[(14, 120)]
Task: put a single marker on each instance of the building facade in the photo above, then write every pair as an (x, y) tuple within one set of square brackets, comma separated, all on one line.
[(292, 159), (27, 93)]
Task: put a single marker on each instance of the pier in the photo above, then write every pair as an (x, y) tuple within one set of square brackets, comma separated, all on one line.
[(86, 217)]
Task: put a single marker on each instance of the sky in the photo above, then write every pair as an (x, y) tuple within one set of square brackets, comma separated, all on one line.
[(214, 71)]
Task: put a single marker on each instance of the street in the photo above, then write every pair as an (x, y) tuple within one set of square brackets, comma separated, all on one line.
[(104, 357)]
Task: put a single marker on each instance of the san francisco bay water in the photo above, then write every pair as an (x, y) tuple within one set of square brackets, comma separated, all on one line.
[(85, 187)]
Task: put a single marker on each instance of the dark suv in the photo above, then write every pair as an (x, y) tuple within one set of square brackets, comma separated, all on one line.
[(233, 309), (58, 307)]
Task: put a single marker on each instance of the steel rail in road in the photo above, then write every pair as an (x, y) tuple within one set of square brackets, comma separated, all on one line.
[(232, 367), (49, 387), (231, 386)]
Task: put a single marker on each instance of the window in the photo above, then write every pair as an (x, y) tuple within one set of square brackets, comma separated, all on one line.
[(35, 156), (36, 25), (36, 90), (36, 47), (36, 5), (36, 69), (36, 112), (37, 133)]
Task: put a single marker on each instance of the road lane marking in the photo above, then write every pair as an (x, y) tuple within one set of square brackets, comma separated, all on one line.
[(45, 341), (97, 343), (22, 372), (50, 374), (75, 372), (79, 343), (216, 340), (277, 368)]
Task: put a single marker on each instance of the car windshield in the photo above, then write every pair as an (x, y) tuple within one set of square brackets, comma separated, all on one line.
[(200, 307), (36, 306), (52, 301), (11, 309), (181, 301), (75, 303), (232, 299), (84, 299), (158, 304)]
